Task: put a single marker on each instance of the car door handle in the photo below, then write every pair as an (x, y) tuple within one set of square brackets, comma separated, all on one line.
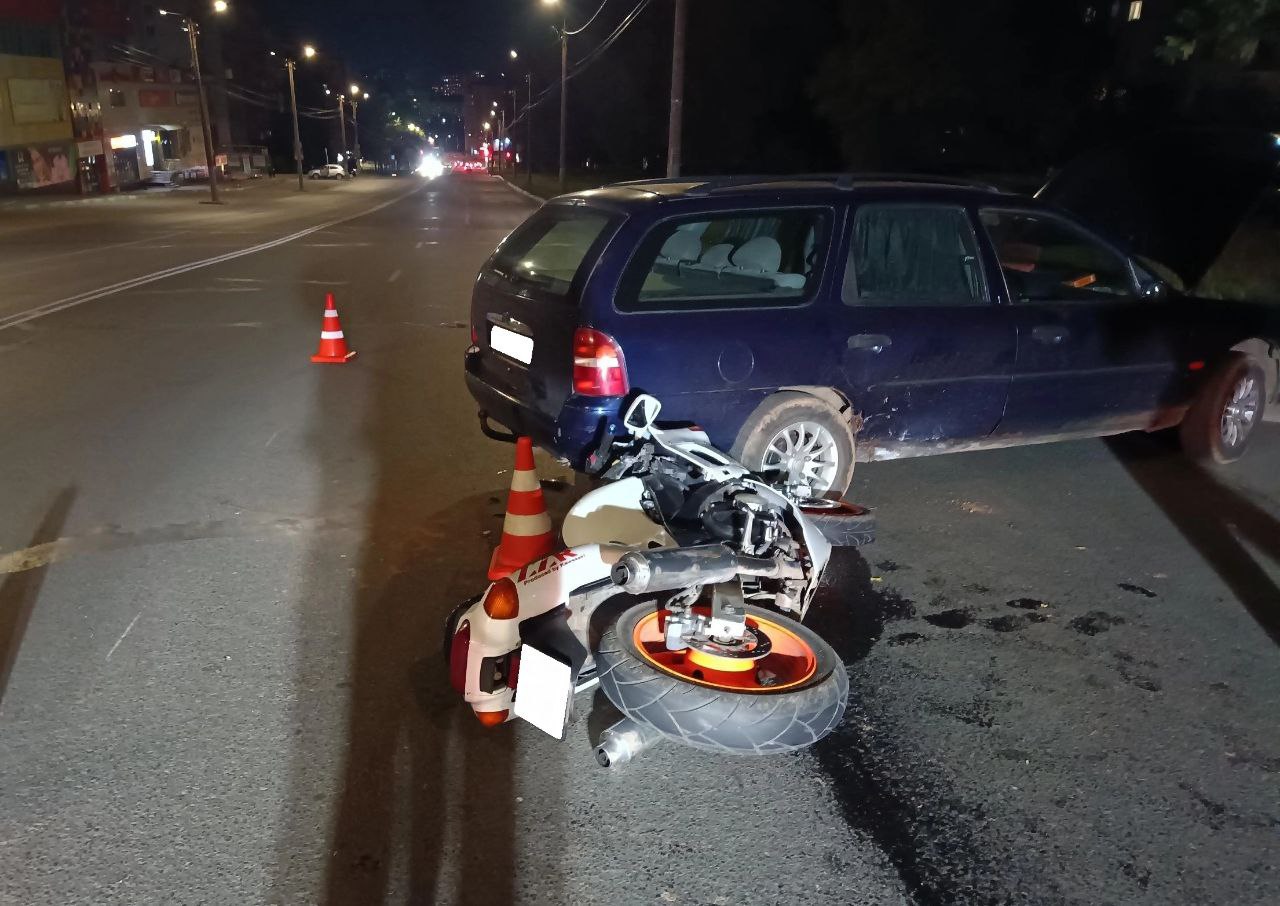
[(1049, 334), (873, 341)]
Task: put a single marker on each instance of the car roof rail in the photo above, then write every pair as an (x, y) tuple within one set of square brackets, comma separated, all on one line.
[(707, 185)]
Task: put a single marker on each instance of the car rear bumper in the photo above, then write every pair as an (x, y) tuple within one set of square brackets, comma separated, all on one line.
[(572, 434)]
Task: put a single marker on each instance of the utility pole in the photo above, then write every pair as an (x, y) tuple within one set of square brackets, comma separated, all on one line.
[(204, 110), (297, 139), (342, 124), (355, 128), (528, 130), (355, 120), (675, 125), (564, 98)]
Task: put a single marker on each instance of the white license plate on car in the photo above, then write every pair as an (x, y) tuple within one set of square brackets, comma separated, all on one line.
[(510, 343), (543, 691)]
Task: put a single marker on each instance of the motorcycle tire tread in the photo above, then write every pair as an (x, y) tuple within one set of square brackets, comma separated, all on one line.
[(716, 720)]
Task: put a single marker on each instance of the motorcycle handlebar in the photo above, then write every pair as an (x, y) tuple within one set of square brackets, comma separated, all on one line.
[(669, 569)]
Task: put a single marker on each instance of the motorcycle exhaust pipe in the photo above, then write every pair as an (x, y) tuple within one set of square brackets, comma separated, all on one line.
[(669, 569), (624, 741)]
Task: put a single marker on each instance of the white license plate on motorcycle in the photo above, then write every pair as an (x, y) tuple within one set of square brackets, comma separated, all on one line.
[(512, 344), (544, 689)]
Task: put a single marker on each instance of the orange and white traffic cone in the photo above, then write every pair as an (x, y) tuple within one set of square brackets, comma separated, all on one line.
[(526, 531), (333, 345)]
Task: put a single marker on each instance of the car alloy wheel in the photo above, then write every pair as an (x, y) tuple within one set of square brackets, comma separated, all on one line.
[(803, 453), (1241, 411)]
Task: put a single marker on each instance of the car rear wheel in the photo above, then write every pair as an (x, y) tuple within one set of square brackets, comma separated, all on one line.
[(1221, 420), (794, 438)]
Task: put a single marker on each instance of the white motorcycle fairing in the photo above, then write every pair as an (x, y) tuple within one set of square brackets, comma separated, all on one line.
[(541, 587)]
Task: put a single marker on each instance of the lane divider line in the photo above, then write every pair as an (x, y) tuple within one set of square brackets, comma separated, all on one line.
[(54, 307)]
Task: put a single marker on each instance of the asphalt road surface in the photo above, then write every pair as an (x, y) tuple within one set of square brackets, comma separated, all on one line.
[(223, 572)]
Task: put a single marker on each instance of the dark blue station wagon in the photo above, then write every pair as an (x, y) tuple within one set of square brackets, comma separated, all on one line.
[(807, 322)]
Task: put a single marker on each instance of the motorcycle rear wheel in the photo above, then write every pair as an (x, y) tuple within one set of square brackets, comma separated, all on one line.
[(724, 713)]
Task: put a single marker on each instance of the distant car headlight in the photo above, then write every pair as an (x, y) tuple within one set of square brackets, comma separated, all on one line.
[(431, 167)]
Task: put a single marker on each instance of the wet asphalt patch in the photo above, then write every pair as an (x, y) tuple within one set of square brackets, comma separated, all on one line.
[(939, 842)]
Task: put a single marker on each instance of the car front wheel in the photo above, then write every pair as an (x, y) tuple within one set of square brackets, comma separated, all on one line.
[(1221, 420), (799, 441)]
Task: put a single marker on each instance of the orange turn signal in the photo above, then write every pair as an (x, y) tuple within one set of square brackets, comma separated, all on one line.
[(503, 601), (493, 718)]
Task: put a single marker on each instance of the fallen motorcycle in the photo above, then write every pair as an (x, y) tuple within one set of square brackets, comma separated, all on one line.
[(681, 593)]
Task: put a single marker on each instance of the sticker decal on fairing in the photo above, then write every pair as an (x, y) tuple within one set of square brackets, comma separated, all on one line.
[(538, 568)]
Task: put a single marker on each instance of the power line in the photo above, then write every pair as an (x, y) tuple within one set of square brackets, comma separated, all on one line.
[(582, 64), (579, 31)]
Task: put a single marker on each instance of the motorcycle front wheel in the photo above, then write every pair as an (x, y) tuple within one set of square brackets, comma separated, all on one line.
[(787, 699)]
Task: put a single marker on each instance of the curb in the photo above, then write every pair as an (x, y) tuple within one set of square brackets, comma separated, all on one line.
[(519, 191)]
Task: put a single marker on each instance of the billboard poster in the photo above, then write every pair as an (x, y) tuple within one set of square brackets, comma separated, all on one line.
[(35, 168), (155, 97)]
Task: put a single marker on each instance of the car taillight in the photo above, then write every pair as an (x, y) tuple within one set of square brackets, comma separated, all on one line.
[(598, 366), (458, 651), (475, 336)]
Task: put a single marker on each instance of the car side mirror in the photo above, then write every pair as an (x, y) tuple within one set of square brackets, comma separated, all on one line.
[(642, 413)]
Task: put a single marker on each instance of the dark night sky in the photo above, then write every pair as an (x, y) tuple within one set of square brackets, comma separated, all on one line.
[(426, 37)]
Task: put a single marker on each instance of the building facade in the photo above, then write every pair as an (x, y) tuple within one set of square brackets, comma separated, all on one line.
[(36, 148)]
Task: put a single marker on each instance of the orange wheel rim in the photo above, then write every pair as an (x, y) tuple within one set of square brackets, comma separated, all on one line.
[(789, 660)]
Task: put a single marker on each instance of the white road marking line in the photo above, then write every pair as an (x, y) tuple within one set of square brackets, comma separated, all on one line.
[(395, 275), (418, 246), (196, 289), (26, 264), (122, 635), (259, 280), (271, 439), (49, 308)]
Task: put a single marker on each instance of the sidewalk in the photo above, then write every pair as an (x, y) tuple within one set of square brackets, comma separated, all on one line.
[(39, 202)]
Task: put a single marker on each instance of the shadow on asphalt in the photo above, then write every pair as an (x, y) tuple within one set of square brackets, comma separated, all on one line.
[(424, 808), (20, 590), (1213, 518)]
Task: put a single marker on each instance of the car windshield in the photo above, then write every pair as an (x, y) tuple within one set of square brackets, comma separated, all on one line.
[(548, 249)]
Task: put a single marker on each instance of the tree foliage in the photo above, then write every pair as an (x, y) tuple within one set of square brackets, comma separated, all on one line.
[(1222, 31), (935, 84)]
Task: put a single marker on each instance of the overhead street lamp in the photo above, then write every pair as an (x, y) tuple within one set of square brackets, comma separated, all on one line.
[(189, 23)]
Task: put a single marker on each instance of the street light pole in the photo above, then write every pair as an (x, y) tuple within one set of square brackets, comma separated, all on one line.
[(297, 138), (189, 23), (204, 113), (675, 123), (528, 130), (564, 96), (342, 124), (355, 119)]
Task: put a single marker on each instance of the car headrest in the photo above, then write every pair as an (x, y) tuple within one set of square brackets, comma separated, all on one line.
[(760, 255), (717, 255), (681, 246)]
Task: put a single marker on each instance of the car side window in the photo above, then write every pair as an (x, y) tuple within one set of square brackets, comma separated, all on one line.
[(1045, 259), (909, 255), (737, 259)]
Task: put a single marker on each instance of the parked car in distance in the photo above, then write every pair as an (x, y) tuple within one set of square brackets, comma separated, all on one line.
[(178, 177), (805, 322), (328, 171)]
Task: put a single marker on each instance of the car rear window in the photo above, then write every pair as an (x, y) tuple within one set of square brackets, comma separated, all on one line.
[(546, 252), (728, 260)]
